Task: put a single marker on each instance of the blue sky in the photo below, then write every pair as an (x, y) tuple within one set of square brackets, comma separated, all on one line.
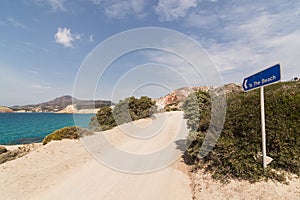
[(43, 43)]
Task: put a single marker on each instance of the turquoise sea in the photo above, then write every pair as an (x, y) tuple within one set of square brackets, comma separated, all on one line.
[(23, 128)]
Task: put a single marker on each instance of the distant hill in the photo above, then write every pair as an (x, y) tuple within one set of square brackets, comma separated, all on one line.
[(61, 103)]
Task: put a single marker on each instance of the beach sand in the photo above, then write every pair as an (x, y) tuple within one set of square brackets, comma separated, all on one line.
[(65, 170)]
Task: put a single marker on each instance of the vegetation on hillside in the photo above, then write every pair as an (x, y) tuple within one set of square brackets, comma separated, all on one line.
[(126, 110), (70, 132), (233, 154)]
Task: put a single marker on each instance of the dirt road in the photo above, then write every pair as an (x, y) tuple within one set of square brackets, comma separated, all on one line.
[(139, 160)]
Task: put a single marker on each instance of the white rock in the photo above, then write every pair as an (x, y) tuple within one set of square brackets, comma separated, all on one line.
[(259, 158)]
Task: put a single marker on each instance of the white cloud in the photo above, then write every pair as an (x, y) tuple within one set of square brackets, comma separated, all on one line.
[(33, 72), (65, 37), (182, 60), (202, 20), (91, 38), (170, 10), (40, 87), (57, 5), (242, 38), (120, 9), (96, 2), (77, 36), (15, 23), (53, 5)]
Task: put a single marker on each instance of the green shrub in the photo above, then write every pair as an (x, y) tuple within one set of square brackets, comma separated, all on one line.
[(103, 120), (232, 156), (71, 132), (131, 109), (173, 107), (126, 110), (196, 109)]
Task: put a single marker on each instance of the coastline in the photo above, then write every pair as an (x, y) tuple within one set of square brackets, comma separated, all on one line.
[(26, 128), (82, 111), (66, 170)]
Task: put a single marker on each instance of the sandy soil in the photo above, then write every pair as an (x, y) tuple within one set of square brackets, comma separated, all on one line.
[(204, 187), (65, 170)]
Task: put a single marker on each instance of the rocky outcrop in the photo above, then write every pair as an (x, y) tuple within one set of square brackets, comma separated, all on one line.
[(68, 109), (181, 93), (4, 109), (173, 101), (73, 109), (233, 88)]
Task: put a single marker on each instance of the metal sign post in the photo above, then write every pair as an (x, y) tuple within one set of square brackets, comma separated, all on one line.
[(263, 126), (259, 80)]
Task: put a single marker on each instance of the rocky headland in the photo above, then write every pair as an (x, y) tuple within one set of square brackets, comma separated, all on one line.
[(64, 104), (4, 109)]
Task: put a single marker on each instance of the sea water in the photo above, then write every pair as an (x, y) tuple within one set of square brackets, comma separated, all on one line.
[(23, 128)]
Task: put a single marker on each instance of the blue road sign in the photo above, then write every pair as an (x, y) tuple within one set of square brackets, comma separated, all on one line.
[(265, 77)]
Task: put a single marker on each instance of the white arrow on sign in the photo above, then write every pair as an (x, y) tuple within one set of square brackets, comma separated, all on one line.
[(245, 84)]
